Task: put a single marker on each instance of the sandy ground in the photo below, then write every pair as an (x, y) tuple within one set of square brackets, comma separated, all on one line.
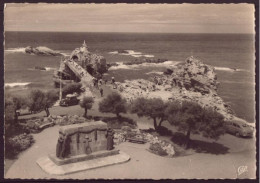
[(221, 160)]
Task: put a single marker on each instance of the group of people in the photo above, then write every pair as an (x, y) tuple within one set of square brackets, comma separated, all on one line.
[(99, 82)]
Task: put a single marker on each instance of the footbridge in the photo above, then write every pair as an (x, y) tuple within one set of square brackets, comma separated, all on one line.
[(83, 75)]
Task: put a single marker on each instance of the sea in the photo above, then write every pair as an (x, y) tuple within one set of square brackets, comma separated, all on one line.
[(232, 55)]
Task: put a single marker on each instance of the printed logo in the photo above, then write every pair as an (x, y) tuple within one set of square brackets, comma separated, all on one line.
[(242, 169)]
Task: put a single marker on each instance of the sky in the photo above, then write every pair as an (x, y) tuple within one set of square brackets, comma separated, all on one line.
[(158, 18)]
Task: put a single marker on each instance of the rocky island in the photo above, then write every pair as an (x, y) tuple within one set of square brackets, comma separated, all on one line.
[(192, 81), (93, 64), (41, 50)]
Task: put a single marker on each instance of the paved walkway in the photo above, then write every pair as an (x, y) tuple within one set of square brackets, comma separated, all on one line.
[(142, 165)]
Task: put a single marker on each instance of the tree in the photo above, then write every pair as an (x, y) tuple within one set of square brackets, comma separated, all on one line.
[(50, 97), (39, 100), (86, 103), (113, 103), (12, 104), (151, 108), (71, 88), (193, 119), (36, 100)]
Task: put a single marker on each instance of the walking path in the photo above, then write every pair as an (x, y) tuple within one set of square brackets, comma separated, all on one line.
[(143, 164)]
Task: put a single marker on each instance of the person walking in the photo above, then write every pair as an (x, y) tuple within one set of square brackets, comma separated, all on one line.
[(101, 91), (113, 83), (112, 80)]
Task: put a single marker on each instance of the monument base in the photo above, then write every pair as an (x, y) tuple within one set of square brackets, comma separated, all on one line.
[(51, 167), (82, 157)]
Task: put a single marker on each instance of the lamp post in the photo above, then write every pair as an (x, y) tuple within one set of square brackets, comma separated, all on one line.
[(60, 83)]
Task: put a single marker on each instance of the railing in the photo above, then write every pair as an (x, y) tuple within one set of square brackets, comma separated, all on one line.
[(82, 74)]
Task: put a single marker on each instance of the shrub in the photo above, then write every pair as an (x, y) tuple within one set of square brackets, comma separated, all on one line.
[(71, 88), (164, 131), (16, 144), (126, 128), (157, 149)]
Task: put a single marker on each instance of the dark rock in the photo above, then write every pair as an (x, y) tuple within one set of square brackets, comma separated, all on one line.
[(168, 72), (41, 51), (193, 76), (93, 63), (40, 68)]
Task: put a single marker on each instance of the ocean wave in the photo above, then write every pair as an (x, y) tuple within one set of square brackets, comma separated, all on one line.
[(113, 52), (50, 68), (132, 53), (42, 69), (16, 50), (154, 72), (11, 85), (148, 56), (121, 65), (227, 69)]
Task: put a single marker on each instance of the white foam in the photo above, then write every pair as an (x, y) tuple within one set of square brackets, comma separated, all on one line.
[(136, 55), (113, 52), (132, 53), (16, 50), (121, 65), (148, 56), (154, 72), (49, 68), (227, 69), (16, 84)]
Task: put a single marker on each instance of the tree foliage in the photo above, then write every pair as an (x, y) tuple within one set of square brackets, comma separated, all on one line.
[(193, 119), (36, 100), (39, 100), (12, 104), (113, 103), (151, 108), (86, 103), (71, 88)]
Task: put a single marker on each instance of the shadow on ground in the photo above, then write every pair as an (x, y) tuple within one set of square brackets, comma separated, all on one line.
[(200, 146)]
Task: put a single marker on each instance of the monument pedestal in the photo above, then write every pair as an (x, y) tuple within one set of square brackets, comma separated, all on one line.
[(82, 157), (51, 168), (82, 147)]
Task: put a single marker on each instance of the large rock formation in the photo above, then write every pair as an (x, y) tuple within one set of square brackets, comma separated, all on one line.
[(41, 50), (93, 63), (194, 76), (192, 80)]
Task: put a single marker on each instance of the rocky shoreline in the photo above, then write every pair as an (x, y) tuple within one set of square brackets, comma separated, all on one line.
[(192, 81)]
